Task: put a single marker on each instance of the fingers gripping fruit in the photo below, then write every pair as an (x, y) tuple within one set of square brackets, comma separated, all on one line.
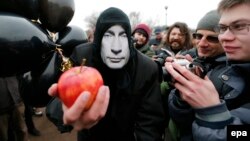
[(76, 80)]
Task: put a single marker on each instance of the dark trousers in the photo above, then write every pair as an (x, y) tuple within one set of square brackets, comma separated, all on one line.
[(28, 116), (12, 127)]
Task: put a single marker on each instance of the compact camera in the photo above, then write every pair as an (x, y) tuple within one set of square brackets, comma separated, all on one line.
[(183, 62)]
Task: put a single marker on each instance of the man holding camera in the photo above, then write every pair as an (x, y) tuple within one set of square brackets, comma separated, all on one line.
[(210, 58), (212, 110)]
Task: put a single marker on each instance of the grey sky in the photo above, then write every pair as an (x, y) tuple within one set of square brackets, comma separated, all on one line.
[(189, 11)]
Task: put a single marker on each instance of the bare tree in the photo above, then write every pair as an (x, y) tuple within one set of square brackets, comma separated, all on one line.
[(91, 20), (151, 22), (134, 18)]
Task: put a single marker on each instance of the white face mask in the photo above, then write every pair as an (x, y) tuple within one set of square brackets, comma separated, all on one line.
[(115, 48)]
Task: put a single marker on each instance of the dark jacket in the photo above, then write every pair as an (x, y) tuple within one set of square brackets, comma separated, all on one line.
[(135, 110), (234, 109), (231, 83), (147, 51), (180, 113)]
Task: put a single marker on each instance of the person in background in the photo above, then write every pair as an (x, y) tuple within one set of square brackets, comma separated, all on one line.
[(164, 37), (177, 43), (156, 40), (207, 45), (12, 126), (141, 35), (215, 110), (210, 54), (129, 106), (29, 112), (178, 39)]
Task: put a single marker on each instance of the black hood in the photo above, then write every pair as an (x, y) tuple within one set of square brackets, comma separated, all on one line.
[(110, 17)]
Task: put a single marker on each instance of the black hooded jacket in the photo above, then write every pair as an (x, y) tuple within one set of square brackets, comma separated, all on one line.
[(135, 111)]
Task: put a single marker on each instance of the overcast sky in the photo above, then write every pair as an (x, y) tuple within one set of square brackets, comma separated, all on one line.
[(189, 11)]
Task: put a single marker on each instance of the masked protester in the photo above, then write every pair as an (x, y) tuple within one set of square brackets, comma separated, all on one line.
[(129, 106)]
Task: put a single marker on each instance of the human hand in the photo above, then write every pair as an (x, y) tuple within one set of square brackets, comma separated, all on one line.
[(189, 58), (198, 92), (80, 118), (170, 59)]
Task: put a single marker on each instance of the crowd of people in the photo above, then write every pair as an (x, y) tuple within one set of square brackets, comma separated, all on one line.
[(169, 84)]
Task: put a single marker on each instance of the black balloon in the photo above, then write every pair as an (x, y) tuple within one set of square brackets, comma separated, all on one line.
[(26, 8), (56, 14), (70, 37), (23, 45), (34, 85)]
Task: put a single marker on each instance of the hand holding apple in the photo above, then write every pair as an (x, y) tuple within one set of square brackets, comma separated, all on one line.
[(76, 80), (77, 116), (82, 119)]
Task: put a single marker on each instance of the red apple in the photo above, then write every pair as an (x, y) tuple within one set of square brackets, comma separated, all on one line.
[(76, 80)]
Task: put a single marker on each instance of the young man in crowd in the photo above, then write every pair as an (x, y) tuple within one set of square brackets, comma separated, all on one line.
[(215, 110), (129, 106), (141, 36)]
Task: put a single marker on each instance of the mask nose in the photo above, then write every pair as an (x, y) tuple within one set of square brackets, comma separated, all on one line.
[(116, 51)]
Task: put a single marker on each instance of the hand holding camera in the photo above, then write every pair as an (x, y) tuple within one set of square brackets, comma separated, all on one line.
[(194, 65), (185, 63)]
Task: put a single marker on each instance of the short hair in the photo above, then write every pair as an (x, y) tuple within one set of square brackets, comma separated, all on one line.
[(227, 4)]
